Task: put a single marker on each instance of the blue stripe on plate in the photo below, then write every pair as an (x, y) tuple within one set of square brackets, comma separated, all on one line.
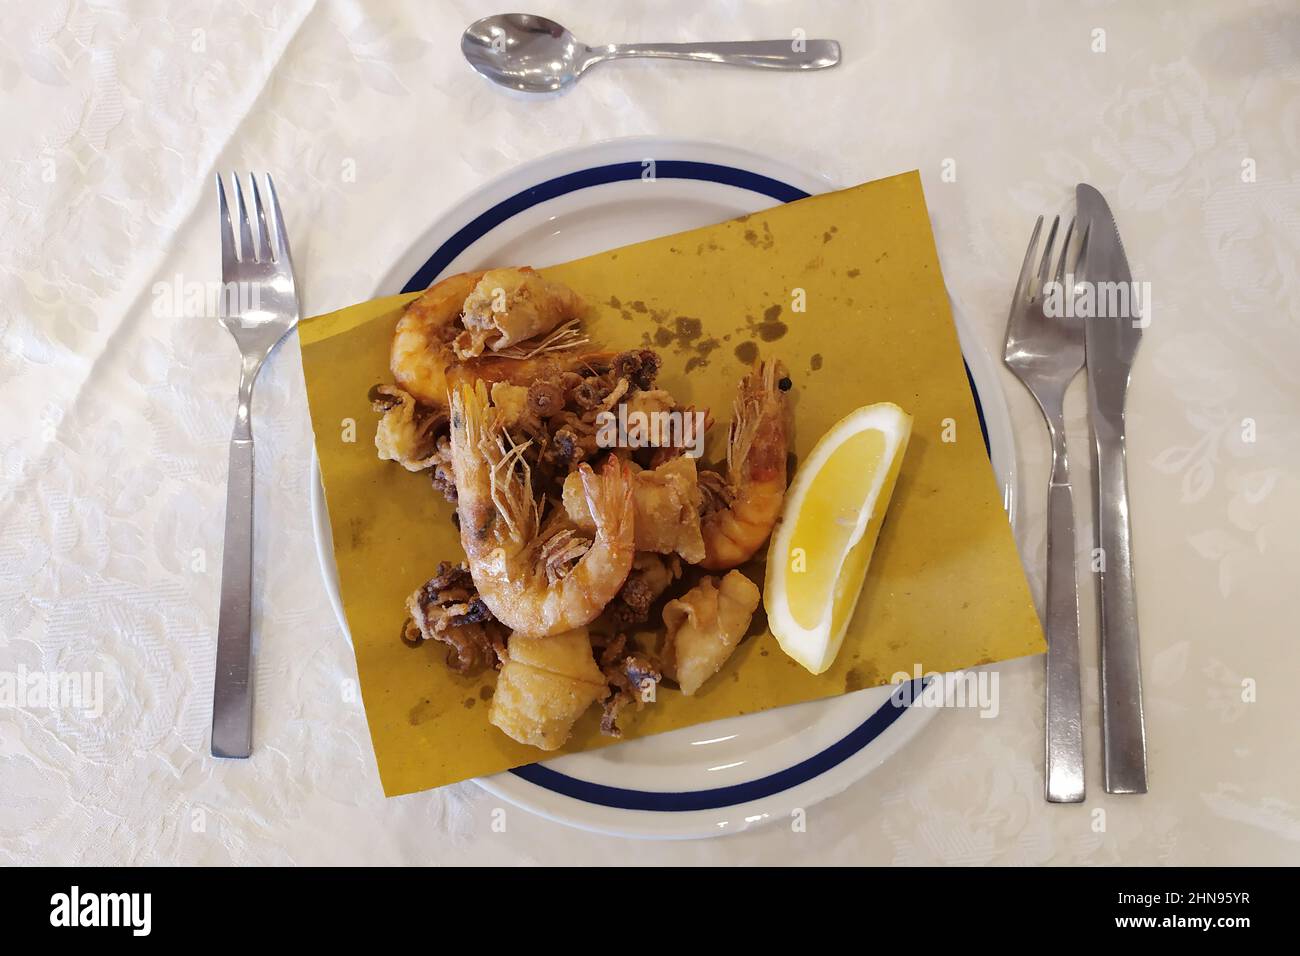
[(583, 179), (737, 793), (716, 797)]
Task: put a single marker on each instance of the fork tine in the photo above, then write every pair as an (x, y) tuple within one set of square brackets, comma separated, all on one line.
[(1045, 264), (1065, 253), (229, 254), (263, 236), (1081, 264), (1022, 283), (281, 234), (247, 251)]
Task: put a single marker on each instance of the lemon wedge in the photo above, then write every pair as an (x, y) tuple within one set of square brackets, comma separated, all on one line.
[(822, 546)]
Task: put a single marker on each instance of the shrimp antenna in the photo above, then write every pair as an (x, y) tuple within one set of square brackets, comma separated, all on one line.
[(512, 485), (566, 336), (746, 412)]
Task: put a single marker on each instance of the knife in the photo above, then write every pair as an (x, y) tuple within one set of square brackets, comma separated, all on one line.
[(1110, 342)]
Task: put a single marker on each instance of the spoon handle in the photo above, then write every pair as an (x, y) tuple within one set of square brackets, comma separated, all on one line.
[(763, 54)]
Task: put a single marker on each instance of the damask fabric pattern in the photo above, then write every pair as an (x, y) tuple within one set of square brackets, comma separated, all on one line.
[(118, 395)]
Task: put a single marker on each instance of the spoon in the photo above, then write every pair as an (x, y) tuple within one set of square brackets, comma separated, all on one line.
[(537, 55)]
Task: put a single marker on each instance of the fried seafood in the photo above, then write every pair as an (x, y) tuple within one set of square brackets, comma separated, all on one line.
[(447, 608), (422, 342), (705, 625), (741, 507), (545, 685), (558, 399), (509, 306), (444, 476), (632, 677), (639, 366), (436, 332), (511, 403), (408, 431), (533, 578), (667, 501), (650, 577), (555, 402), (496, 397), (546, 366)]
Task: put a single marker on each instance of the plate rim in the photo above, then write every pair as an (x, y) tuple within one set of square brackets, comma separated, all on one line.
[(573, 810)]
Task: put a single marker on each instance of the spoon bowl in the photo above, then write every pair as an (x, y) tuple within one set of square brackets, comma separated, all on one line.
[(524, 52)]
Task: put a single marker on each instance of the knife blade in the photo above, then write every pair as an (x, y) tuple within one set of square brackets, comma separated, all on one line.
[(1111, 338)]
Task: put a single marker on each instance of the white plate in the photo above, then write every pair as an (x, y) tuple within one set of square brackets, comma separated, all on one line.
[(725, 776)]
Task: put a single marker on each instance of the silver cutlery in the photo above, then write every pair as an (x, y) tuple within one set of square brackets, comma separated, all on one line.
[(1111, 343), (537, 55), (259, 307), (1046, 352)]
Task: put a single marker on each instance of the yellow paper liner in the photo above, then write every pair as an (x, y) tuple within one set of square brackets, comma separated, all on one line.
[(945, 589)]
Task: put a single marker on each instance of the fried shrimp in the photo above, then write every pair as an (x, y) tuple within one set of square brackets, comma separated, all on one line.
[(544, 367), (454, 319), (508, 306), (742, 506), (422, 341), (511, 555)]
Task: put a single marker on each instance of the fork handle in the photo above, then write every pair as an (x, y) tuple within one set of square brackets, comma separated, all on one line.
[(1064, 738), (232, 692)]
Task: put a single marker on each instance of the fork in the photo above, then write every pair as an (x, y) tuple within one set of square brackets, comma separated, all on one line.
[(1046, 352), (259, 307)]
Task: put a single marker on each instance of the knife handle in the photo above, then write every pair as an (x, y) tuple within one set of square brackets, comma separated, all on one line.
[(1122, 721), (1064, 709)]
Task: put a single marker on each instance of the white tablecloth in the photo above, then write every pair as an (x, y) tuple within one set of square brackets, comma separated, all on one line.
[(117, 408)]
